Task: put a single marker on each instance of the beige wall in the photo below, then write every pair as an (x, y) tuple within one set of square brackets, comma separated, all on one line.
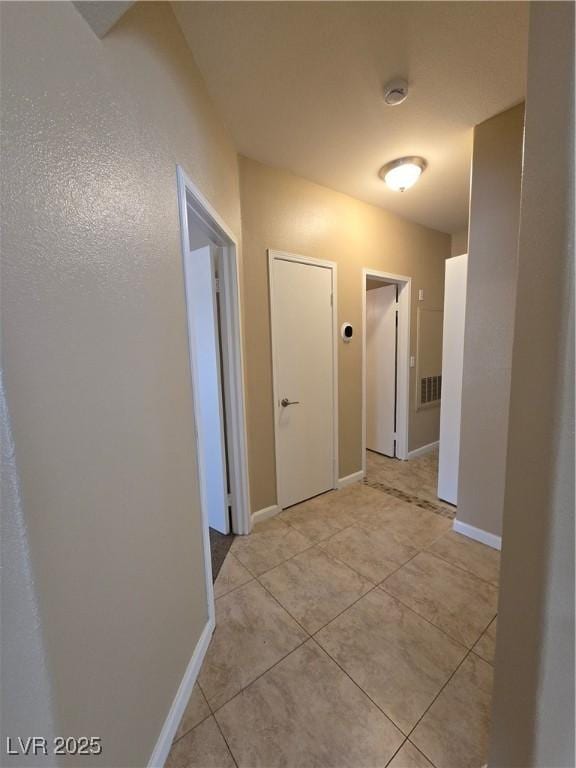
[(285, 212), (459, 243), (533, 721), (490, 299), (96, 356)]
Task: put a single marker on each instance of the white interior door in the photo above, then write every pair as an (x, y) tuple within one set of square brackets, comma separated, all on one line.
[(208, 407), (303, 342), (452, 368), (381, 309)]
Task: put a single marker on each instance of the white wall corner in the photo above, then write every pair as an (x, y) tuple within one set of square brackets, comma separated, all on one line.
[(423, 450), (355, 477), (162, 748), (484, 537)]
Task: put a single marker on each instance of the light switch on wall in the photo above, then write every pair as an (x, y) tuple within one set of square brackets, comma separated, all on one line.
[(412, 361), (420, 294)]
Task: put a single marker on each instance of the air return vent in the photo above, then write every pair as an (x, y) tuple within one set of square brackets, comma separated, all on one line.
[(430, 389)]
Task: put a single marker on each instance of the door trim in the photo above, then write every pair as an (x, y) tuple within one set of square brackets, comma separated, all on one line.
[(189, 196), (286, 256), (403, 371)]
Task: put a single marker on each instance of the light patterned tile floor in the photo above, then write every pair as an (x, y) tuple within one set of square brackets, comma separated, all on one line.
[(355, 630)]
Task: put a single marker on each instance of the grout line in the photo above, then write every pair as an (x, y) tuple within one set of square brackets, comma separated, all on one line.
[(307, 549), (317, 543), (460, 567), (276, 600), (235, 589), (423, 715), (257, 576), (398, 569), (226, 742), (427, 620), (306, 639), (284, 656), (435, 540), (454, 639), (350, 567), (420, 752), (248, 685), (475, 653), (467, 650), (202, 690), (316, 631), (311, 634), (378, 707), (175, 741), (482, 633), (341, 562), (398, 750), (239, 586), (407, 741), (440, 629)]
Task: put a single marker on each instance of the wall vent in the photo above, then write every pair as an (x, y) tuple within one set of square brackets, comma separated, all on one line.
[(430, 389)]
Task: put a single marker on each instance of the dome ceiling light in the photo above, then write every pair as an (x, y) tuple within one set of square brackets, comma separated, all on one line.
[(403, 173)]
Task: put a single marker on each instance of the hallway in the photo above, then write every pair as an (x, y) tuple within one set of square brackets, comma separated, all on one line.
[(355, 629)]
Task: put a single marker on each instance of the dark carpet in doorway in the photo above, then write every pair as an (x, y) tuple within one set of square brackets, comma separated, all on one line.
[(219, 546), (411, 499)]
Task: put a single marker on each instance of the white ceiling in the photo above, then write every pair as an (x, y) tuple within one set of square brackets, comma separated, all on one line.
[(300, 87)]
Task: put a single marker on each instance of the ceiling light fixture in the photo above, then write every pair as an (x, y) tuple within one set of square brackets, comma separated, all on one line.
[(403, 173)]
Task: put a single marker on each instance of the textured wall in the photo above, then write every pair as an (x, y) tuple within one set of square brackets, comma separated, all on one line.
[(490, 300), (286, 212), (26, 702), (533, 723), (96, 355)]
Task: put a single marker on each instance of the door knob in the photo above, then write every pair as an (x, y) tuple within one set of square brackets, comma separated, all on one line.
[(285, 402)]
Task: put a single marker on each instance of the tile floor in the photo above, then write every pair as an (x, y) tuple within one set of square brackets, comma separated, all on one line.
[(355, 629)]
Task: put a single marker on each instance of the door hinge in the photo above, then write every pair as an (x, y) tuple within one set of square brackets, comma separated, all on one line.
[(229, 500), (331, 299), (217, 284)]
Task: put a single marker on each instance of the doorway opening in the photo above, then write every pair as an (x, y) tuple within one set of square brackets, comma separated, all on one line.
[(211, 278), (385, 363), (381, 366)]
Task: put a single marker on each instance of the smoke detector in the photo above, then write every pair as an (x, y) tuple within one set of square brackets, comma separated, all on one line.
[(395, 92)]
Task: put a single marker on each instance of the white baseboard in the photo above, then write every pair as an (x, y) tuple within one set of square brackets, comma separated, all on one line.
[(263, 514), (356, 477), (181, 699), (478, 534), (423, 450)]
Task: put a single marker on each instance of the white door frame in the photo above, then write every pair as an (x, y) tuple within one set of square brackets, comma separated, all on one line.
[(189, 196), (285, 256), (403, 364)]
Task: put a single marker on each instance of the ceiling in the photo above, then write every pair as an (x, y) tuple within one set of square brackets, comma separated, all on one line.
[(300, 86)]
